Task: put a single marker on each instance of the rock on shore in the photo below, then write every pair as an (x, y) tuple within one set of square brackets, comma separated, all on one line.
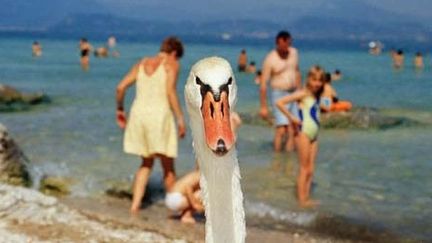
[(358, 118), (13, 168), (13, 100)]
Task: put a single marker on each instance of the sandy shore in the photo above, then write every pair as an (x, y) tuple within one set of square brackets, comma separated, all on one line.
[(30, 216), (156, 218)]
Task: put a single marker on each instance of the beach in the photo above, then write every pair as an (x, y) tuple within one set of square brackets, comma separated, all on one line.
[(107, 220), (373, 182)]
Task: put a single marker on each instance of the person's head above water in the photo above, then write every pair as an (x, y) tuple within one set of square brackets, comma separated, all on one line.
[(327, 78), (400, 52), (243, 51), (172, 45), (283, 42), (418, 54), (252, 63)]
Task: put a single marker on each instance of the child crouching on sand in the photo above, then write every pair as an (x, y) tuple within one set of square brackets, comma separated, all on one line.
[(184, 197), (306, 124)]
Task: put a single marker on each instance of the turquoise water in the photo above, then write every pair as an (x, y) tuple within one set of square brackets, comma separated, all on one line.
[(380, 178)]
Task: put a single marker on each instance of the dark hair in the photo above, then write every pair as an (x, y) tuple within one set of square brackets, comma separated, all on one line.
[(252, 63), (327, 78), (171, 44), (337, 71), (418, 54), (243, 51), (35, 43), (258, 72), (400, 52), (285, 35)]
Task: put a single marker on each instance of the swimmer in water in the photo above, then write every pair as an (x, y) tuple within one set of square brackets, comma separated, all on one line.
[(398, 59), (306, 124), (85, 49), (251, 68), (418, 61), (242, 61), (36, 49)]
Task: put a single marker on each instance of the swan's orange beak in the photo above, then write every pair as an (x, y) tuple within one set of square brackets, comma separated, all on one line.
[(217, 126)]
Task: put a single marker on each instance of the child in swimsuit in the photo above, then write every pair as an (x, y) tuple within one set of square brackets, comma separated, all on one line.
[(184, 197), (306, 124)]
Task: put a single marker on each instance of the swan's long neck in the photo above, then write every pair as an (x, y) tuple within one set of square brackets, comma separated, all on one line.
[(222, 195)]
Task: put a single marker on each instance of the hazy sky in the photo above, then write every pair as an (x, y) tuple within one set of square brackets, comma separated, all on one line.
[(250, 8), (43, 13)]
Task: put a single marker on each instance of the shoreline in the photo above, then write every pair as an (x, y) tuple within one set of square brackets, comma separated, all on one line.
[(156, 218), (27, 215)]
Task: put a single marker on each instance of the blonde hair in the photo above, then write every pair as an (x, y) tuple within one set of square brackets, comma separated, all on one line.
[(318, 73)]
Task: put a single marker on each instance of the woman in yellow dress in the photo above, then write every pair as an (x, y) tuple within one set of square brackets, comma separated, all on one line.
[(150, 130)]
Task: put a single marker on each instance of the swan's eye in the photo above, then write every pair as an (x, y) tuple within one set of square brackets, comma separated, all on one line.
[(198, 81), (230, 81)]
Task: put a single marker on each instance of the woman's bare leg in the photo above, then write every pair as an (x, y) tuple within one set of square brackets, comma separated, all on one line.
[(168, 172), (140, 183)]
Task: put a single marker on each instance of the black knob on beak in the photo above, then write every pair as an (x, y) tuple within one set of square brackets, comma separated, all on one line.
[(221, 148)]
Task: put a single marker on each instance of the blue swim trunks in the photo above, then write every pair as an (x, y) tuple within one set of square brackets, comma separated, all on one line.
[(280, 118)]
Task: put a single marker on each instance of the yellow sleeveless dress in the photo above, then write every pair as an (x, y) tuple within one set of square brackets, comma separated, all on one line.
[(150, 128)]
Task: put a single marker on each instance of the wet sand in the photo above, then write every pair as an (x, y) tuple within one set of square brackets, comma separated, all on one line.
[(27, 215), (155, 218)]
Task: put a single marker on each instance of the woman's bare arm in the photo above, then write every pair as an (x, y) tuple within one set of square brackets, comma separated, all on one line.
[(172, 72), (127, 81)]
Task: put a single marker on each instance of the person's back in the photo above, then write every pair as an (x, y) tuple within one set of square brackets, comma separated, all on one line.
[(184, 196), (150, 128), (151, 84), (189, 181), (151, 117)]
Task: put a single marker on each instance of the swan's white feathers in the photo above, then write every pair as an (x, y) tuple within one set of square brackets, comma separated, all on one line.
[(220, 176), (213, 71)]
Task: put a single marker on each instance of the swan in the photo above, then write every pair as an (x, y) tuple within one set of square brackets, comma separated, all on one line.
[(210, 94)]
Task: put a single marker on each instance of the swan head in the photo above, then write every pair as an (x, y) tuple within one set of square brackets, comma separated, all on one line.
[(210, 94)]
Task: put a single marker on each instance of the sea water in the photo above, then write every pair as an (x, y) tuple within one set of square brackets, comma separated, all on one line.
[(379, 178)]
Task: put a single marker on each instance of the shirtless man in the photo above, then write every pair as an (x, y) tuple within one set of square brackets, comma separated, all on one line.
[(184, 197), (282, 69)]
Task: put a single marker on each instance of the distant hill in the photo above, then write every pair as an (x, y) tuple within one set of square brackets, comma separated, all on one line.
[(40, 14), (308, 27), (328, 21)]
